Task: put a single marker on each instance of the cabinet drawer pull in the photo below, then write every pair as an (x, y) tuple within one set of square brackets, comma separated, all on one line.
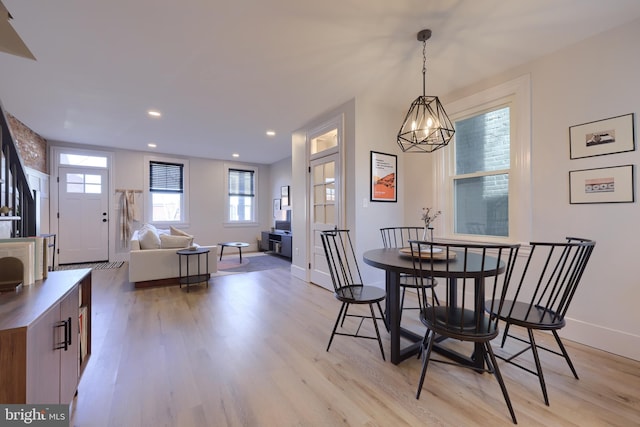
[(69, 334), (63, 345)]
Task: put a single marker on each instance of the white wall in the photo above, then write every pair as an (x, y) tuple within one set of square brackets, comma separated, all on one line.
[(376, 130), (280, 176), (593, 80), (299, 204), (39, 182)]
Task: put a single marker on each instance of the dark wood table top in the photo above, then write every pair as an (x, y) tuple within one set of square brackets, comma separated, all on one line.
[(195, 251), (391, 259)]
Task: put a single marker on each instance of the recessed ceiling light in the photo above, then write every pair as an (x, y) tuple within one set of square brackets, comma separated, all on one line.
[(271, 133), (151, 145), (235, 155), (154, 113)]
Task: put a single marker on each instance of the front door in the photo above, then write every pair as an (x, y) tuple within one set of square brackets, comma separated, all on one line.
[(325, 199), (83, 221)]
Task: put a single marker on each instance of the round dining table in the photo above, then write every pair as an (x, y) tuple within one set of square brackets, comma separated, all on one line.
[(394, 263)]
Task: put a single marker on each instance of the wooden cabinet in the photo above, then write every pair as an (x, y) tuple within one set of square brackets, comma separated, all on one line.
[(40, 340), (277, 242), (70, 350), (43, 362)]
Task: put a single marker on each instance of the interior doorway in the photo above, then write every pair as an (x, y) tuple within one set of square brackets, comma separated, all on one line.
[(325, 195)]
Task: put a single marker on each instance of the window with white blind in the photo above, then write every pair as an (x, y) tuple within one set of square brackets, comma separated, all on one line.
[(167, 190), (241, 195)]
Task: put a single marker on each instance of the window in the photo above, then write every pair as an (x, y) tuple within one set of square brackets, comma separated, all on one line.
[(485, 182), (241, 195), (481, 174), (84, 183), (167, 184), (85, 160)]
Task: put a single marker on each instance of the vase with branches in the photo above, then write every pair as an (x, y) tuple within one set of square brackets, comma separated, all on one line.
[(428, 216)]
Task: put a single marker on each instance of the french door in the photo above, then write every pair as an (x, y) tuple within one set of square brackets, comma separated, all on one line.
[(325, 198)]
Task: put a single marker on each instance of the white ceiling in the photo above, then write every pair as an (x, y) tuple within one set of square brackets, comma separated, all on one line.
[(223, 72)]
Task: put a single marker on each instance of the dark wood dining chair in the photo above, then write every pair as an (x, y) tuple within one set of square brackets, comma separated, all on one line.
[(399, 237), (348, 286), (546, 287), (480, 271)]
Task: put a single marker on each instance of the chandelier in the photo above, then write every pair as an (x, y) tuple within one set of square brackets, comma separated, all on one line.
[(426, 126)]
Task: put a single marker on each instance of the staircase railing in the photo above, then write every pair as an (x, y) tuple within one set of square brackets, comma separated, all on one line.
[(15, 192)]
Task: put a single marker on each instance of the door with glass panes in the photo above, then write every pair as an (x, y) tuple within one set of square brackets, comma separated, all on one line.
[(83, 220), (325, 200)]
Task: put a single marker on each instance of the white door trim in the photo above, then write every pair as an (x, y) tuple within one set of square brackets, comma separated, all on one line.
[(337, 123), (54, 200)]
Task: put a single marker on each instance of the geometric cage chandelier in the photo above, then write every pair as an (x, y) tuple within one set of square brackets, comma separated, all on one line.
[(426, 126)]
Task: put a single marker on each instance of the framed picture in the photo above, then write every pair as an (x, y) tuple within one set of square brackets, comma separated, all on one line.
[(276, 208), (284, 195), (383, 177), (602, 185), (608, 136)]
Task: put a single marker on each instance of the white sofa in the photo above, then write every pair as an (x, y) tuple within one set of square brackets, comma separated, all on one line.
[(155, 267)]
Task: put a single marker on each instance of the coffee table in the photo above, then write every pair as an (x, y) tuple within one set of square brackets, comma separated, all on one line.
[(238, 245)]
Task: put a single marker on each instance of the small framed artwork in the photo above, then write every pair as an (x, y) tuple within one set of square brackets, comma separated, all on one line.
[(608, 136), (284, 195), (383, 177), (602, 185), (276, 208)]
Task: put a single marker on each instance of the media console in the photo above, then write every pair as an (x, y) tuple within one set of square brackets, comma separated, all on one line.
[(278, 242)]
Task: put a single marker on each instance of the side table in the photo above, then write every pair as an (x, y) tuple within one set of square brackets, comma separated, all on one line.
[(199, 277)]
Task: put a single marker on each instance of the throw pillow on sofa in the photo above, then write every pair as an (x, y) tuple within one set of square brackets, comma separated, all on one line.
[(148, 237), (168, 241), (177, 232)]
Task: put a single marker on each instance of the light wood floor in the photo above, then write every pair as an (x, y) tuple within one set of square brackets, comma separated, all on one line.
[(250, 351)]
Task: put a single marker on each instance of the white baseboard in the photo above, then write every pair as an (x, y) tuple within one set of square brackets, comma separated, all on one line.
[(298, 272), (609, 340)]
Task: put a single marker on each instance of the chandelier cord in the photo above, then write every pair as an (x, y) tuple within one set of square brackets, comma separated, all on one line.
[(424, 67)]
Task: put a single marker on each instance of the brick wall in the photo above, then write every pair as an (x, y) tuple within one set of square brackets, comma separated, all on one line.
[(31, 146)]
